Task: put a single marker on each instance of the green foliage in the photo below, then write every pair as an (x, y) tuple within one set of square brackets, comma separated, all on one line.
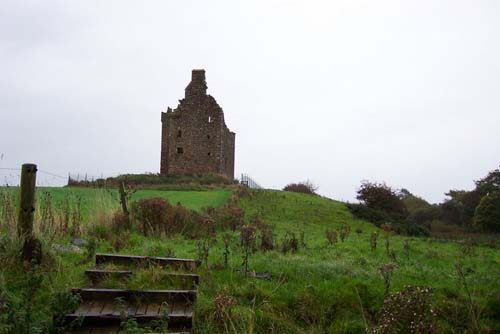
[(290, 243), (407, 311), (305, 187), (460, 208), (487, 216), (157, 181), (412, 202), (316, 289), (379, 196), (490, 183), (62, 303)]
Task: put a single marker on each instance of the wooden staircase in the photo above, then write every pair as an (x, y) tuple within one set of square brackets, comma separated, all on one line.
[(103, 310)]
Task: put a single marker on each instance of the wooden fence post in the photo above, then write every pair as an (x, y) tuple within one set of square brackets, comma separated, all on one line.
[(31, 246), (123, 198), (27, 201)]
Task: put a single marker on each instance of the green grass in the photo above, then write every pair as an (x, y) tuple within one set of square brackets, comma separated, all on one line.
[(93, 200), (319, 289)]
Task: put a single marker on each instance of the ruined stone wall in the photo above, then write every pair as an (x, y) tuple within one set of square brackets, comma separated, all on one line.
[(195, 138)]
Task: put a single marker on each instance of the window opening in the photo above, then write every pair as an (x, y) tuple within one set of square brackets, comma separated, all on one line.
[(180, 150)]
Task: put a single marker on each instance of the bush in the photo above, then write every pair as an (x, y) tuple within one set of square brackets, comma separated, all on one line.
[(379, 196), (152, 214), (302, 187), (178, 218), (229, 217), (424, 215), (377, 217), (487, 215), (408, 311), (120, 221)]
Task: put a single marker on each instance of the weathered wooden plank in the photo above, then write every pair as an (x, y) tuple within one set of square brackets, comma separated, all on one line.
[(132, 309), (84, 308), (142, 309), (96, 308), (153, 309), (108, 308), (127, 260), (174, 321), (97, 275), (158, 296)]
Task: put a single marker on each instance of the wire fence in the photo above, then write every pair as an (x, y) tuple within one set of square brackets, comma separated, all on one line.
[(11, 176), (249, 182)]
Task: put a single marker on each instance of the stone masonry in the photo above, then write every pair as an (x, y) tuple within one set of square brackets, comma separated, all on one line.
[(195, 138)]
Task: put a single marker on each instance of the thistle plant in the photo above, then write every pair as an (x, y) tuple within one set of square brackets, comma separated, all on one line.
[(247, 239), (386, 271), (227, 239), (406, 248), (331, 236), (373, 241)]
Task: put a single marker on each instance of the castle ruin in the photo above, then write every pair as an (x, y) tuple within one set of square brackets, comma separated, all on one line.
[(195, 138)]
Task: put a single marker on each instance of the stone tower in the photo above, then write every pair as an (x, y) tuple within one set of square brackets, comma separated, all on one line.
[(194, 136)]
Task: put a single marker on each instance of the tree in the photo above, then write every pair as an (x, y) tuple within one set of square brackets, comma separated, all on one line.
[(413, 203), (487, 216), (461, 207), (379, 196), (490, 183), (464, 203)]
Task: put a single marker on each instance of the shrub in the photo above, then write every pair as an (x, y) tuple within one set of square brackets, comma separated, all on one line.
[(247, 240), (344, 232), (290, 243), (309, 309), (424, 215), (331, 236), (408, 311), (302, 187), (230, 217), (362, 211), (120, 221), (386, 271), (178, 218), (379, 196), (487, 215), (266, 239), (100, 232), (152, 214)]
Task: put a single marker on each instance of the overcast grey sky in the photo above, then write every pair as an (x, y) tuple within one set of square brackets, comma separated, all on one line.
[(405, 92)]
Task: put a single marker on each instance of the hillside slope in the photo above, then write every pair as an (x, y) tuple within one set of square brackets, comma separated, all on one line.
[(319, 288)]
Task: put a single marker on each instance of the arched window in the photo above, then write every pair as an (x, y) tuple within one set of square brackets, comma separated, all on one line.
[(179, 133)]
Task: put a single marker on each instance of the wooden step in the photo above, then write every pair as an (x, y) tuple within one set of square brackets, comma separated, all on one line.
[(104, 308), (97, 275), (108, 330), (135, 260)]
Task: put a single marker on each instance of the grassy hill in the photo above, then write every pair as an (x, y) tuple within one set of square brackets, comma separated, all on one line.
[(94, 199), (319, 288)]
